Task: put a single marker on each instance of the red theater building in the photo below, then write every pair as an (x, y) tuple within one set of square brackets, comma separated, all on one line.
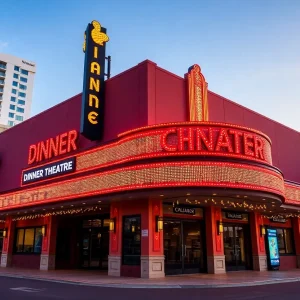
[(181, 181)]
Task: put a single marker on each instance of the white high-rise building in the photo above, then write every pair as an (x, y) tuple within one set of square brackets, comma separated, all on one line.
[(16, 87)]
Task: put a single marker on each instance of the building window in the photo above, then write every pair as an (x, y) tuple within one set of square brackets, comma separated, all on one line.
[(285, 241), (1, 240), (23, 79), (19, 109), (29, 240), (14, 91), (16, 76), (23, 87), (15, 83), (13, 99), (21, 102), (22, 94), (24, 72), (11, 115), (12, 107), (10, 123), (131, 249), (19, 118), (17, 68)]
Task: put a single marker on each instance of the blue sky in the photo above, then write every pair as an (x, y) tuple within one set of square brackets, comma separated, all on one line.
[(249, 50)]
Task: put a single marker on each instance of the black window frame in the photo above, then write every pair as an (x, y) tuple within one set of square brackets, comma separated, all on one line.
[(284, 238), (15, 241), (138, 262)]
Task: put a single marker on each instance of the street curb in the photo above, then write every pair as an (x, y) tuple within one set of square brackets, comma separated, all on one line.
[(155, 286)]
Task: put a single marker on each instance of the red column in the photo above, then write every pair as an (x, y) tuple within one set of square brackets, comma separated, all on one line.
[(49, 244), (214, 241), (296, 230), (115, 241), (258, 243), (8, 243), (152, 259)]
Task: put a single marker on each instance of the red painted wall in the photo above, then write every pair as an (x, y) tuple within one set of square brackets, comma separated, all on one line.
[(288, 262), (285, 141), (145, 94), (126, 108), (26, 261)]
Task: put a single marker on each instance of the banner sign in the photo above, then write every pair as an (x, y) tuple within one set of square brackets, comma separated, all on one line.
[(50, 170), (185, 210), (278, 220), (233, 215), (92, 111)]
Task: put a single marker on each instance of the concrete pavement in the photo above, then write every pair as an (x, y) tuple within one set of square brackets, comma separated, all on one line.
[(98, 278)]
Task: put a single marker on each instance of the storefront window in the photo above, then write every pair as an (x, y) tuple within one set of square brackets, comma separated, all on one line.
[(131, 240), (29, 240), (1, 240), (285, 241)]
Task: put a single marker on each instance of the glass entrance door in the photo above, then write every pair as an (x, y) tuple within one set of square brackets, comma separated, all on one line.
[(236, 247), (183, 246), (95, 244)]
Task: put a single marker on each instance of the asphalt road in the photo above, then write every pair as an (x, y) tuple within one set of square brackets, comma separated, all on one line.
[(15, 289)]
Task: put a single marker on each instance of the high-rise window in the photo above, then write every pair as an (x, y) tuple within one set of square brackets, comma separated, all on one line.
[(24, 72), (13, 99), (15, 83), (11, 115), (17, 68), (19, 109), (14, 91), (23, 87), (23, 79), (16, 76), (22, 102), (19, 118), (10, 123), (22, 94), (12, 107)]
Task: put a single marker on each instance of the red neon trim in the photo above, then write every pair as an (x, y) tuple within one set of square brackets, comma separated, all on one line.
[(138, 157), (202, 123), (156, 185)]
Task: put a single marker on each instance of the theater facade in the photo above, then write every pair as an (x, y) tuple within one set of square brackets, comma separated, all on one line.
[(173, 179)]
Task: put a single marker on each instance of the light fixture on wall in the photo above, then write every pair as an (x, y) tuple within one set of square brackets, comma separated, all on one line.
[(159, 224), (112, 225), (44, 230), (132, 228), (262, 230), (220, 227), (4, 232)]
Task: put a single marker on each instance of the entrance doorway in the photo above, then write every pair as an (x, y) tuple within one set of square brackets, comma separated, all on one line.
[(183, 246), (237, 247), (95, 243)]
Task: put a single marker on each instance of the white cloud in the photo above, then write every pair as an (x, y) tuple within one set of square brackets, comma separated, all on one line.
[(3, 45)]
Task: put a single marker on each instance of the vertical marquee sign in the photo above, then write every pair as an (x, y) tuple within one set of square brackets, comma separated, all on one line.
[(93, 81)]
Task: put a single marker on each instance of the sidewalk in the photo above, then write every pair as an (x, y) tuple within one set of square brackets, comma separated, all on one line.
[(98, 278)]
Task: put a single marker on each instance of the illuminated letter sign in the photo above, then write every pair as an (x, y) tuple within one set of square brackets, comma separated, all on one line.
[(61, 144), (50, 170), (92, 111), (214, 141)]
